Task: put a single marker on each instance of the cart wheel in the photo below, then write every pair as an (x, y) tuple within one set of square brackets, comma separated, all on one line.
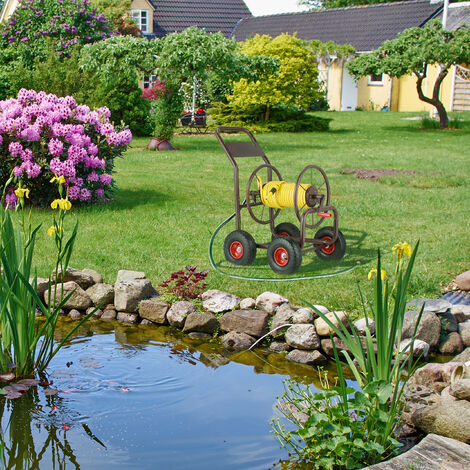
[(239, 248), (286, 229), (336, 250), (284, 255)]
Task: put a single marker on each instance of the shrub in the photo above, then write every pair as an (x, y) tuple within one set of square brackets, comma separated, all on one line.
[(185, 285), (42, 135)]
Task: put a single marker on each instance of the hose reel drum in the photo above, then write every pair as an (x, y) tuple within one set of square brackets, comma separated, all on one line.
[(266, 195)]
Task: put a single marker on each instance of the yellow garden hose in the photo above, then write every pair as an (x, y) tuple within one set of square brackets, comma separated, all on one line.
[(279, 194)]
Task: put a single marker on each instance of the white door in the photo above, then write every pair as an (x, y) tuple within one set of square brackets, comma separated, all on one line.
[(348, 92)]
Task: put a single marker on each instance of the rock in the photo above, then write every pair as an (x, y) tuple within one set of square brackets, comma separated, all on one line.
[(463, 356), (146, 322), (98, 313), (96, 276), (451, 345), (71, 274), (302, 315), (449, 419), (247, 303), (237, 341), (448, 322), (464, 330), (302, 337), (201, 323), (154, 310), (101, 294), (128, 294), (75, 314), (420, 348), (463, 281), (417, 396), (311, 358), (461, 389), (434, 375), (461, 312), (429, 329), (279, 346), (217, 301), (126, 317), (335, 317), (321, 309), (327, 346), (41, 286), (198, 334), (79, 300), (283, 316), (360, 326), (251, 322), (178, 312), (446, 396), (430, 305), (269, 301), (124, 275), (109, 314)]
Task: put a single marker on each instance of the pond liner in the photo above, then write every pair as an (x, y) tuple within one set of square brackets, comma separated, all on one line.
[(457, 297)]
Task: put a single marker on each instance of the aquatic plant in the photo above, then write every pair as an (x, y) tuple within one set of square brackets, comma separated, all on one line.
[(185, 284)]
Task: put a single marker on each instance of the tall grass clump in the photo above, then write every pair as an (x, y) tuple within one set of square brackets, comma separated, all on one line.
[(342, 428)]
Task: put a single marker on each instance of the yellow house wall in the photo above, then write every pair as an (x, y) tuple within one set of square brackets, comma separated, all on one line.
[(144, 5), (8, 9), (373, 97), (334, 88)]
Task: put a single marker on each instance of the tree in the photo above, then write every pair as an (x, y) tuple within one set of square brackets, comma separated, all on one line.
[(320, 4), (294, 84), (118, 13), (413, 52)]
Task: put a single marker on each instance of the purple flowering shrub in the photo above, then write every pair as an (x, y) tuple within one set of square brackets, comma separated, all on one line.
[(42, 135)]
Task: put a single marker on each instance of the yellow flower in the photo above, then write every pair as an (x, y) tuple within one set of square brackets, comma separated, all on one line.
[(383, 274), (63, 204), (60, 179), (402, 248), (22, 192), (51, 230)]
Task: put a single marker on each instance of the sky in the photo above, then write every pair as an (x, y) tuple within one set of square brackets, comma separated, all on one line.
[(271, 7)]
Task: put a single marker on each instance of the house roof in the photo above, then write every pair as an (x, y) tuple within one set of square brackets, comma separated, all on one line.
[(365, 27), (458, 15), (211, 15)]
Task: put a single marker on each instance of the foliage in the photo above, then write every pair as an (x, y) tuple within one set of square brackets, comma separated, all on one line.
[(427, 123), (295, 83), (282, 118), (186, 284), (320, 4), (117, 12), (329, 48), (42, 135), (413, 52), (343, 429)]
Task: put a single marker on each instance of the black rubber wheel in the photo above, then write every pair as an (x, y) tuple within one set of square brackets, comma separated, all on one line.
[(284, 255), (240, 248), (286, 229), (336, 250)]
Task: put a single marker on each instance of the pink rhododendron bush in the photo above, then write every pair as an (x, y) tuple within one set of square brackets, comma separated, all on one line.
[(42, 135)]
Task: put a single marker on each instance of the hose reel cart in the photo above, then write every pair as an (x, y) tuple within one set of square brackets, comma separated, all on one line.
[(309, 196)]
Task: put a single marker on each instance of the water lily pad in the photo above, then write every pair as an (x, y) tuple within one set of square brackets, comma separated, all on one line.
[(64, 373), (50, 391), (16, 388), (11, 395), (8, 377), (3, 391), (29, 382), (90, 362)]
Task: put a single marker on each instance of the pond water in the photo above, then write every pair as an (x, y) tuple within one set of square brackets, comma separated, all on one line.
[(135, 397)]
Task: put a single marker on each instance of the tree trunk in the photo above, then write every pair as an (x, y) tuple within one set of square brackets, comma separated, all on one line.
[(435, 101), (268, 112)]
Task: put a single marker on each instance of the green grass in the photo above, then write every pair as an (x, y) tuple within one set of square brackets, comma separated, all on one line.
[(169, 203)]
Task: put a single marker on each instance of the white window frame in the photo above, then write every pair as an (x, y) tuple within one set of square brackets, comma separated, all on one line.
[(148, 81), (372, 82), (141, 17)]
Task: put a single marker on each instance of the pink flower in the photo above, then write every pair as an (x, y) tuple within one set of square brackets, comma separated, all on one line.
[(85, 195), (93, 177), (15, 149), (74, 192), (56, 147), (105, 179), (99, 192)]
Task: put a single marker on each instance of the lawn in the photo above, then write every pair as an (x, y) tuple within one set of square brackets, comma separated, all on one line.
[(169, 204)]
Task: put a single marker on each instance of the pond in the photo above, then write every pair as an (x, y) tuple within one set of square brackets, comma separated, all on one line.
[(133, 397)]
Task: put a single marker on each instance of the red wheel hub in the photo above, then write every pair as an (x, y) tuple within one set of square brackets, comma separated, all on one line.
[(236, 250), (328, 249), (284, 234), (281, 256)]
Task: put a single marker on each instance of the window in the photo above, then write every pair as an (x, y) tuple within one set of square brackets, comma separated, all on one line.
[(141, 17), (148, 80), (376, 79)]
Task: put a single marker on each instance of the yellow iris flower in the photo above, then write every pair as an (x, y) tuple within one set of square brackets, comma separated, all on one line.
[(51, 230), (402, 248), (60, 179), (22, 192), (63, 204), (383, 274)]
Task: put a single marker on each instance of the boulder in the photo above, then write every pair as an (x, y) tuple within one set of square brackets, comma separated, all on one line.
[(217, 301), (429, 329), (75, 314), (311, 358), (279, 346), (323, 329), (449, 419), (282, 316), (98, 313), (145, 322), (448, 322), (251, 322), (451, 345), (302, 337), (247, 303), (420, 348), (430, 305), (71, 274), (461, 389), (124, 275), (201, 323), (269, 301), (109, 314), (434, 375), (126, 317), (154, 310), (101, 294), (237, 341), (178, 312), (79, 300), (463, 281), (302, 315), (321, 309), (128, 294), (360, 326), (327, 346), (464, 330), (41, 286), (461, 312), (464, 356), (96, 276)]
